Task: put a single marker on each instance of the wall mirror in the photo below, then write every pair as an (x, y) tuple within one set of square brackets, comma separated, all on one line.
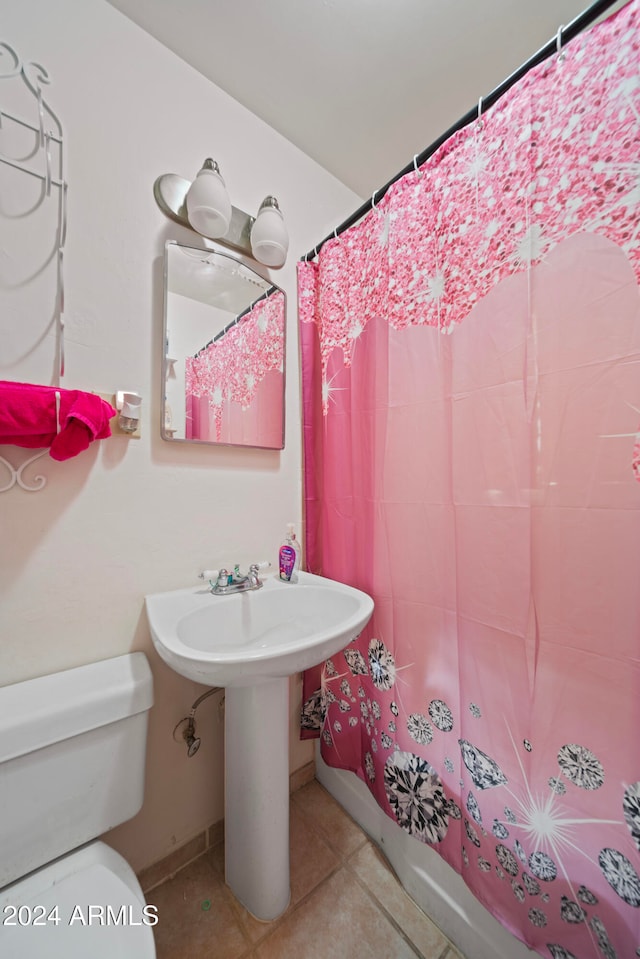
[(224, 351)]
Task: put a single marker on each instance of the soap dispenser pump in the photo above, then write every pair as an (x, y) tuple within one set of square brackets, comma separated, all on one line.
[(289, 558)]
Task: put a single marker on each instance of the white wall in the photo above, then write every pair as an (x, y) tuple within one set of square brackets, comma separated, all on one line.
[(129, 517)]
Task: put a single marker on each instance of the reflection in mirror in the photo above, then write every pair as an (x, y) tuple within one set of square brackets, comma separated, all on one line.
[(224, 340)]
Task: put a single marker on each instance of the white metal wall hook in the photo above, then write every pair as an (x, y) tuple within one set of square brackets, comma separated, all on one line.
[(559, 48)]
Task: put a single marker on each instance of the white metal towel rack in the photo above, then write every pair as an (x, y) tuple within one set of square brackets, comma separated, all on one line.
[(47, 130)]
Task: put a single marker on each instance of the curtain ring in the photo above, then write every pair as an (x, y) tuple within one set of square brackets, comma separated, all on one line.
[(559, 50), (373, 200), (415, 165), (335, 233), (480, 120)]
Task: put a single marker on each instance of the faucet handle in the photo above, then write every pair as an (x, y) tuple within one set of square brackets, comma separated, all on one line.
[(254, 569), (208, 574)]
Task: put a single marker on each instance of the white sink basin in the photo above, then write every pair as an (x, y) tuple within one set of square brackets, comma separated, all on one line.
[(251, 643), (245, 638)]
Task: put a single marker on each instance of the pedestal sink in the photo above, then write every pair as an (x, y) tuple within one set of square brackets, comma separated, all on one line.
[(251, 643)]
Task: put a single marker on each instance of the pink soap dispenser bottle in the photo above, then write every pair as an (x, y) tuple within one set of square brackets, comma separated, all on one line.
[(289, 558)]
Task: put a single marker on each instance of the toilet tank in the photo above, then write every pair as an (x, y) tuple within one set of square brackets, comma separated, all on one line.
[(72, 759)]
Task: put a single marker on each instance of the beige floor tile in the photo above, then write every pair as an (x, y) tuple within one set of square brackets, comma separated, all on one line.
[(195, 917), (311, 861), (375, 872), (343, 893), (323, 813), (338, 920)]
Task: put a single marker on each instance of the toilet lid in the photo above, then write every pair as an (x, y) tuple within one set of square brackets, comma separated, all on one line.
[(91, 912)]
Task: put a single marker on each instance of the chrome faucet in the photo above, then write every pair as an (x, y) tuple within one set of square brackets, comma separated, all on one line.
[(222, 582)]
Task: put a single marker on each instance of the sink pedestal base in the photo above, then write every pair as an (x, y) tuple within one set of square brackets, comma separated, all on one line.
[(257, 796)]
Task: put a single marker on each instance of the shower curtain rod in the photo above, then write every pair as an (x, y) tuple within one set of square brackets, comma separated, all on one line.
[(564, 35), (234, 322)]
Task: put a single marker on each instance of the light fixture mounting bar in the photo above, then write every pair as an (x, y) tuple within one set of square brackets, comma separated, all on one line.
[(170, 192)]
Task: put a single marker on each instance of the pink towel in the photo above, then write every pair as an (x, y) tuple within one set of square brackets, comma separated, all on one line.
[(28, 418)]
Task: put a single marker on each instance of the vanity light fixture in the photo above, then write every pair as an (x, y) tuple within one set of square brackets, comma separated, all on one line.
[(269, 237), (208, 203), (204, 206)]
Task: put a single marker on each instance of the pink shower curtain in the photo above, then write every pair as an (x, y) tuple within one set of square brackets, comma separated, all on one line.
[(471, 375)]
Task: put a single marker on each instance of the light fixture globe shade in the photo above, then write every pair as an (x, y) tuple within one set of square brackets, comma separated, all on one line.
[(269, 236), (208, 203)]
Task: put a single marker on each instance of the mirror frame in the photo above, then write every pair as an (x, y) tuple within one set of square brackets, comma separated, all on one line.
[(165, 331)]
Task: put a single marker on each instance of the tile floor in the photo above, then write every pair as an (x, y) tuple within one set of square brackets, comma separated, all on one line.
[(345, 901)]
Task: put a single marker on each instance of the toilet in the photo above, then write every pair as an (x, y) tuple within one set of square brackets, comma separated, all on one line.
[(72, 759)]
